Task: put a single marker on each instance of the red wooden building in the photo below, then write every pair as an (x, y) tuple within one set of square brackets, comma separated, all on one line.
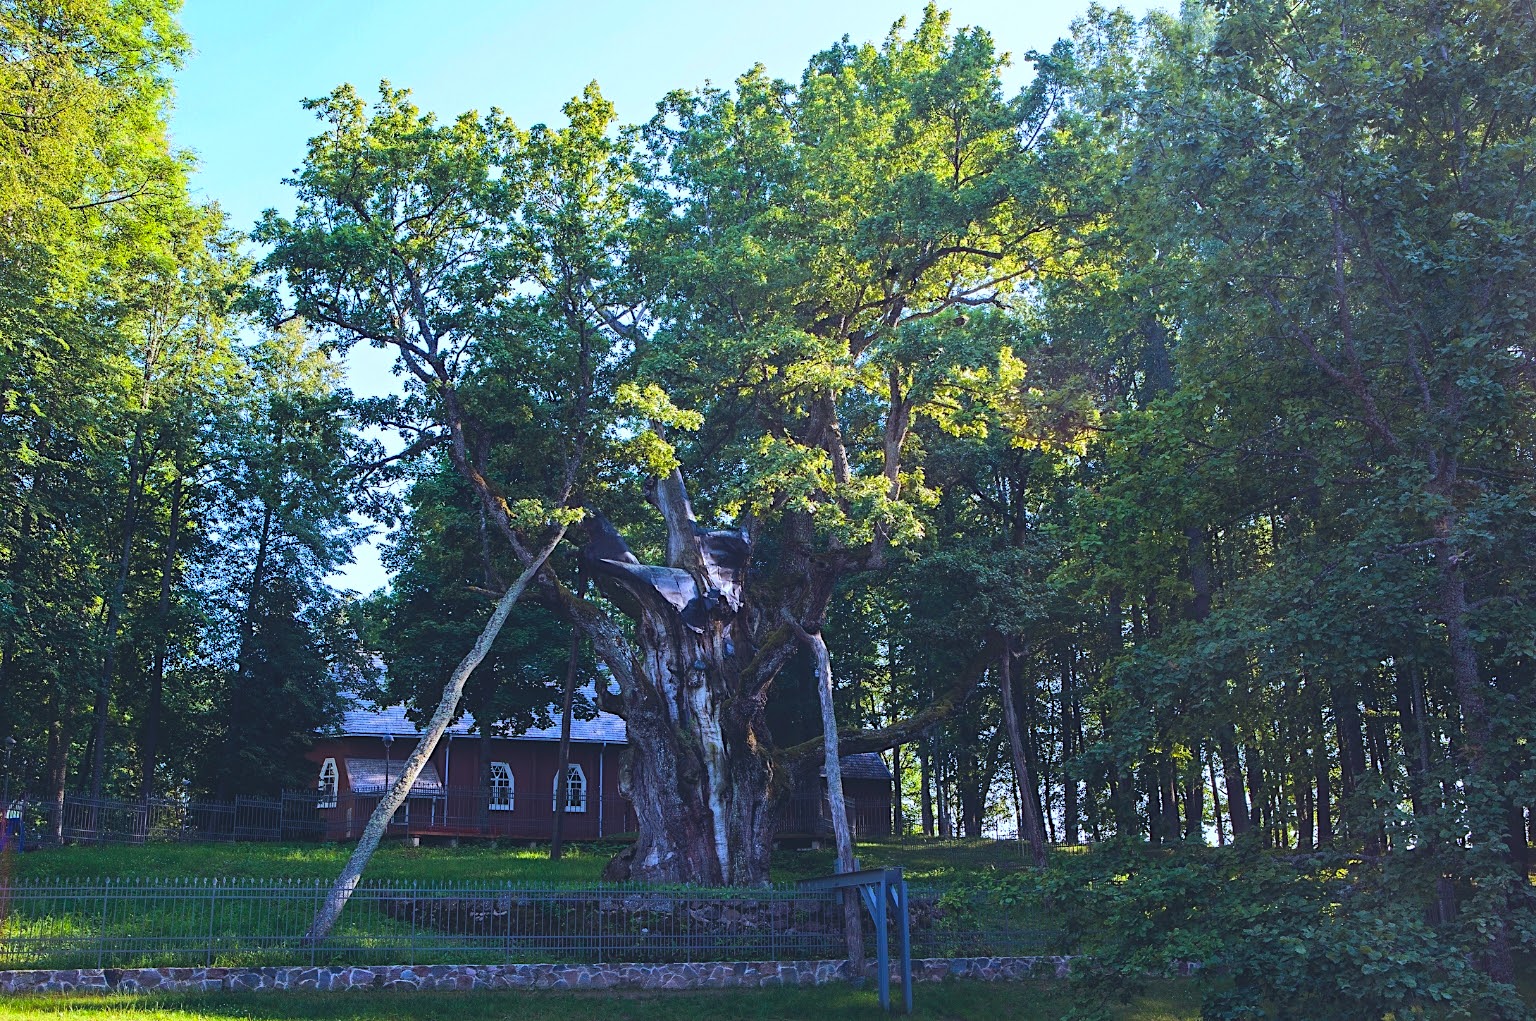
[(505, 787)]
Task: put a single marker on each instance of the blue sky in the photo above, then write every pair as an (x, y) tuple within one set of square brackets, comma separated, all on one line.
[(238, 97)]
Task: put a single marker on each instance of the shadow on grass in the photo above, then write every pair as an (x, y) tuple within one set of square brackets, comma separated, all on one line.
[(950, 1002)]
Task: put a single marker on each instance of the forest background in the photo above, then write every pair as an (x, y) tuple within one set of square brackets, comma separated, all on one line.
[(1176, 406)]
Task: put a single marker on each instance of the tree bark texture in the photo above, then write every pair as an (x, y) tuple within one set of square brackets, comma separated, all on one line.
[(699, 771), (853, 926)]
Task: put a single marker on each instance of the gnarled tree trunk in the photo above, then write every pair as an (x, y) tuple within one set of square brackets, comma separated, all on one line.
[(699, 771)]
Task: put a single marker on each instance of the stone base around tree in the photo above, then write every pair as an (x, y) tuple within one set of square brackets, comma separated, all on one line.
[(717, 975)]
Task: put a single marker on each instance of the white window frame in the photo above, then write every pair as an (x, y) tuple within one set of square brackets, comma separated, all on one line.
[(502, 780), (573, 772), (329, 785)]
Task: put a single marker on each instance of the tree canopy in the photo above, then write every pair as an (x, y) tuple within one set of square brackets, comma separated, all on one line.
[(1149, 451)]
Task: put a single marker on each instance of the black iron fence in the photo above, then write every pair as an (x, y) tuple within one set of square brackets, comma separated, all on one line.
[(458, 812), (246, 923), (293, 816), (127, 923)]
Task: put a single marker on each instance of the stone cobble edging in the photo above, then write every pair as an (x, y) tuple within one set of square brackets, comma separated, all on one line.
[(724, 975)]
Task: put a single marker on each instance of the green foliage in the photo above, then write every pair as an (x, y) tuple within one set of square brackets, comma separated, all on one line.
[(1324, 937), (143, 440)]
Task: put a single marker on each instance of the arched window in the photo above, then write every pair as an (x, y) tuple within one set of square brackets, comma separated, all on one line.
[(329, 782), (575, 789), (501, 787)]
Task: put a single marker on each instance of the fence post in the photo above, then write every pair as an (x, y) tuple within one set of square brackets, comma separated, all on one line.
[(101, 944), (213, 895), (314, 944)]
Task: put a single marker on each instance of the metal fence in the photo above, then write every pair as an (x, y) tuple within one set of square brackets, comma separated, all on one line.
[(158, 922), (293, 816), (152, 923), (973, 923)]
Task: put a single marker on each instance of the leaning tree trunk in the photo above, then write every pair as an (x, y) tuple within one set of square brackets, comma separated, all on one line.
[(345, 883)]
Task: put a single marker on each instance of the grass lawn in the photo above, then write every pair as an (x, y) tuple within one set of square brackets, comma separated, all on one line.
[(1042, 1002), (925, 861), (479, 863)]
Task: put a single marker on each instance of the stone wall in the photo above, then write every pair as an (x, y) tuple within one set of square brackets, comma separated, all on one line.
[(731, 975)]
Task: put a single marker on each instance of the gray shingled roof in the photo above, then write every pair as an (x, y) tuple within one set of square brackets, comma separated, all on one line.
[(361, 721), (863, 766), (364, 721)]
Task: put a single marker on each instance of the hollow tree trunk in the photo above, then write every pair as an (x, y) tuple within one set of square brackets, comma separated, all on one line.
[(698, 771)]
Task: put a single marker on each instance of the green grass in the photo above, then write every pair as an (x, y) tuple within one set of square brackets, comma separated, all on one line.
[(480, 863), (935, 862), (949, 1002), (925, 862)]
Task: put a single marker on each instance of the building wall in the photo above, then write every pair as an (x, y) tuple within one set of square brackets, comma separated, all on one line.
[(461, 762)]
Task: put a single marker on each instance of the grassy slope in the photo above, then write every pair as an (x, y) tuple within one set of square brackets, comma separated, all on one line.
[(924, 862), (952, 1001)]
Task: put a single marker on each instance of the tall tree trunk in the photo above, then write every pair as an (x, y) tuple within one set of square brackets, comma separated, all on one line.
[(341, 890), (1069, 726), (1169, 780), (1194, 801), (1477, 729), (1323, 769), (1221, 830), (102, 710), (1031, 833), (925, 778), (945, 806), (248, 631), (149, 740), (832, 765), (57, 767), (1346, 713), (1257, 793), (1122, 787), (564, 758)]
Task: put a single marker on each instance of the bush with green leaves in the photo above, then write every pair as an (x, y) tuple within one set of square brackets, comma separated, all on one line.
[(1315, 937)]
